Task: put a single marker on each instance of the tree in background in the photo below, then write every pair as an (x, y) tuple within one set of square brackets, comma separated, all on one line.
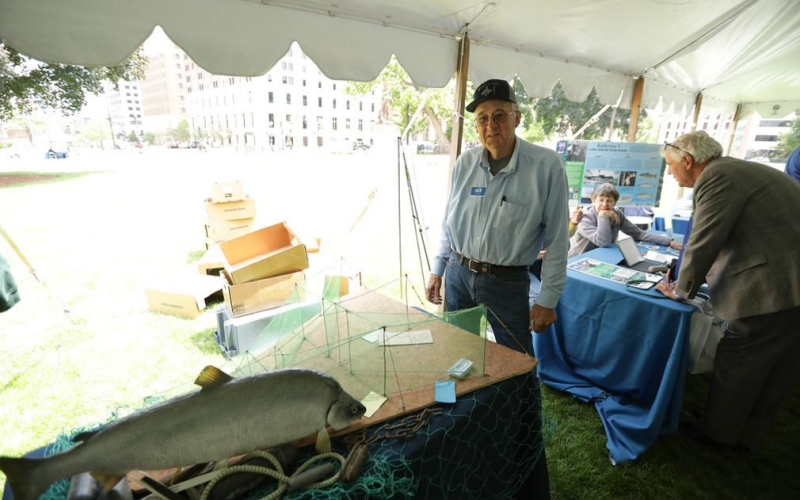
[(552, 116), (132, 137), (533, 130), (149, 138), (31, 125), (96, 129), (789, 141), (200, 134), (26, 83), (562, 117), (647, 131), (406, 96), (181, 132)]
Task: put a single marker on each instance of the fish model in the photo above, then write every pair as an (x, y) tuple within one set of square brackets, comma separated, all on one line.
[(227, 417), (625, 198), (645, 186), (648, 175), (643, 196)]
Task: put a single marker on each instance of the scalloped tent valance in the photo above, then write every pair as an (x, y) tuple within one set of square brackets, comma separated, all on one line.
[(733, 51)]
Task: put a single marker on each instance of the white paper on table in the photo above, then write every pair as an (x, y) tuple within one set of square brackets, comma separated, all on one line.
[(373, 403), (624, 272), (372, 336), (659, 257), (406, 338)]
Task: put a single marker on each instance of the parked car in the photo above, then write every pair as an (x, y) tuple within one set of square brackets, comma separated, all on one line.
[(360, 145), (56, 153)]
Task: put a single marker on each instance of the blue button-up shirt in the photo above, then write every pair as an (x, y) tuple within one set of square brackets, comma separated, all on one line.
[(501, 219)]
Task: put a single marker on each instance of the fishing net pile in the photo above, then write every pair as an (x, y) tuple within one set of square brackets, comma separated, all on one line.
[(482, 446)]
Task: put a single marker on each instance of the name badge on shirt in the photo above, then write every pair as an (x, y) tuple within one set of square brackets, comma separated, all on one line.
[(477, 191)]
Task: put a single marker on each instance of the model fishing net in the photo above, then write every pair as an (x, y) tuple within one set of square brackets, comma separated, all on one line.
[(368, 344), (483, 446)]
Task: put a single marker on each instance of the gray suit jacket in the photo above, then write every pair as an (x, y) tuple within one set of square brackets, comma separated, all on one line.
[(745, 241)]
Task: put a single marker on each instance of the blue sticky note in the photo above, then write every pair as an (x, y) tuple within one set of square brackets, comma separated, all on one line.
[(445, 391)]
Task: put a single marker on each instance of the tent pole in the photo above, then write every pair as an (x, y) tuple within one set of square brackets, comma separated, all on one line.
[(636, 104), (736, 116), (462, 69), (698, 103)]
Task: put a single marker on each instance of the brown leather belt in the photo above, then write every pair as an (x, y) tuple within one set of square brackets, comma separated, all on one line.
[(486, 268)]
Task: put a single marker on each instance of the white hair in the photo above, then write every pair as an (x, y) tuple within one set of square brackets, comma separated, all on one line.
[(701, 146)]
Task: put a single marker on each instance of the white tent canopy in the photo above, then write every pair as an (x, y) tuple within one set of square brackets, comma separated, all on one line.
[(733, 51)]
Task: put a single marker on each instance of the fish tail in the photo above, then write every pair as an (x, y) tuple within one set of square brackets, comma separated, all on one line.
[(24, 477)]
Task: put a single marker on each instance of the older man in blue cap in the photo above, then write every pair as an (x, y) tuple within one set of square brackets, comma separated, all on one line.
[(503, 196)]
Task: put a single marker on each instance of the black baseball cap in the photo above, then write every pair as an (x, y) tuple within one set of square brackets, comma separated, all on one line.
[(492, 89)]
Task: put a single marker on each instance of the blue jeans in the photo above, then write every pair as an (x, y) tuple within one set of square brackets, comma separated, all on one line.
[(504, 295), (506, 298)]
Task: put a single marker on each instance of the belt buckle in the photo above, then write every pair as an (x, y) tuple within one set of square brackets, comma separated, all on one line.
[(480, 267)]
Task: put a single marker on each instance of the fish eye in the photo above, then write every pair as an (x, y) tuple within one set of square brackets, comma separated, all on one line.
[(354, 409)]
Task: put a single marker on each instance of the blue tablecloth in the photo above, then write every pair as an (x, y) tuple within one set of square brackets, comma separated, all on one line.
[(679, 224), (624, 351)]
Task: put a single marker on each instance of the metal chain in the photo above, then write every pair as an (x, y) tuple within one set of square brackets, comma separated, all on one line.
[(402, 429)]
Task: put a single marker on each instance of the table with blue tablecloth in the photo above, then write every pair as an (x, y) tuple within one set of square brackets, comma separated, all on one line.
[(626, 352), (679, 224)]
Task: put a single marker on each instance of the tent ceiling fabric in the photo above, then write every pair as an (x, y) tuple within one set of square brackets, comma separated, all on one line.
[(744, 51), (754, 58)]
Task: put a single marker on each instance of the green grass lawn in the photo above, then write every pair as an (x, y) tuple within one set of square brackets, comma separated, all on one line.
[(676, 466), (20, 179), (97, 240)]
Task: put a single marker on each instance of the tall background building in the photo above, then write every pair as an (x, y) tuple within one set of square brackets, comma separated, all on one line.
[(125, 109), (292, 106), (164, 90)]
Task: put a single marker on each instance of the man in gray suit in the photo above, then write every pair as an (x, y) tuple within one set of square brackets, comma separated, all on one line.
[(746, 244)]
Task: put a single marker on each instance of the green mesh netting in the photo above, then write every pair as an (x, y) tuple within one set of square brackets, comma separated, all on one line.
[(352, 340), (483, 446)]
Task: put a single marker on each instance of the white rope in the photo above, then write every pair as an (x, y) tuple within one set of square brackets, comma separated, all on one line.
[(276, 474)]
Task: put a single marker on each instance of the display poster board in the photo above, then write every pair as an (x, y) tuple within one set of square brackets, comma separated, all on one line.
[(635, 169)]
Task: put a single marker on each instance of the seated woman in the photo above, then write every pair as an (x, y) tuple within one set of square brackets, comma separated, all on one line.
[(602, 223)]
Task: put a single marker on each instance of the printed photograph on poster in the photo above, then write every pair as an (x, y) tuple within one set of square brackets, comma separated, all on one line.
[(627, 178), (597, 177), (573, 154), (635, 169), (576, 151)]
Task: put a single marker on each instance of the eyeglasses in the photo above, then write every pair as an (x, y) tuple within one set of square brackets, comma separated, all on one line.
[(499, 118), (669, 144)]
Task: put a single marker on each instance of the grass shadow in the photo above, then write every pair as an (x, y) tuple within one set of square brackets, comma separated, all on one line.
[(676, 467), (205, 342), (194, 256), (21, 179)]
